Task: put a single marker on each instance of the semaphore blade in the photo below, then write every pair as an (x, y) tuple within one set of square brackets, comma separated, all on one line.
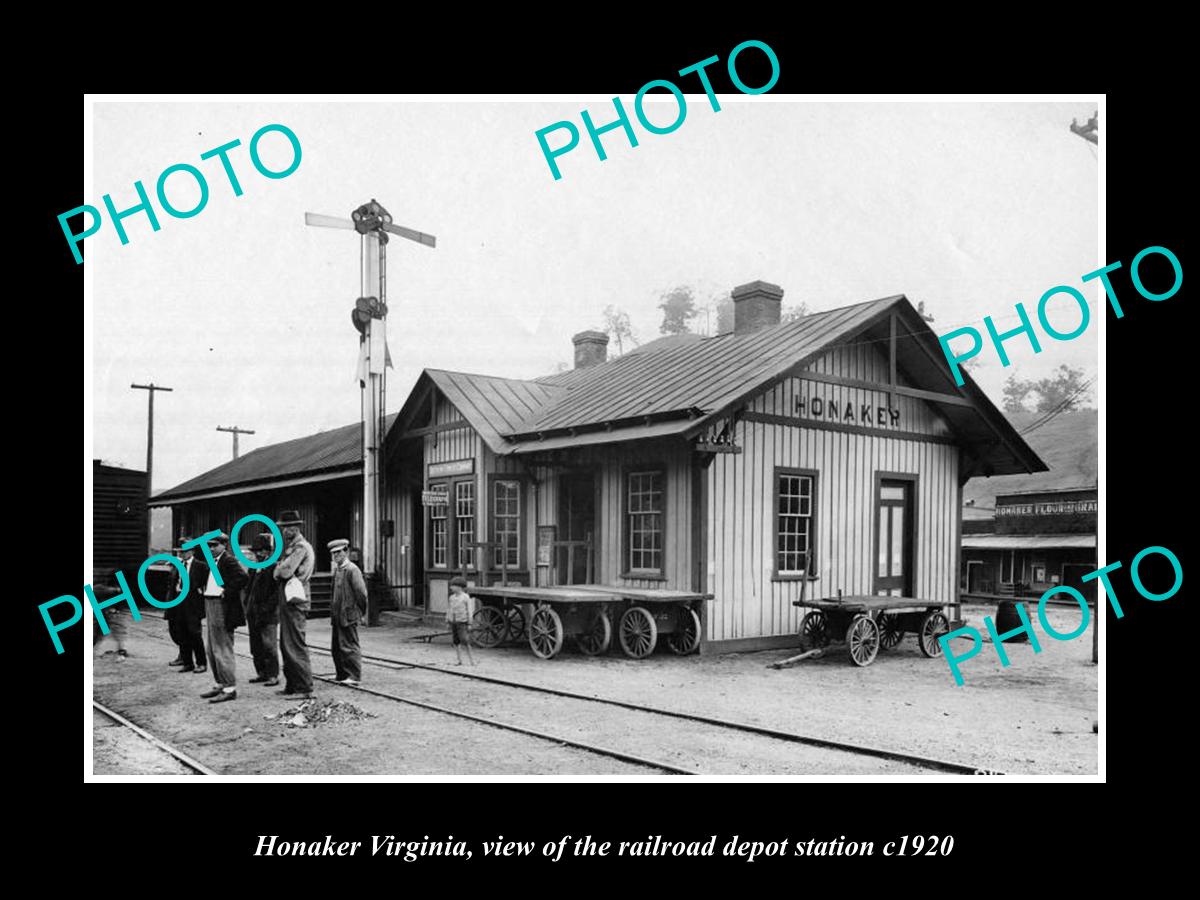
[(420, 237), (327, 221)]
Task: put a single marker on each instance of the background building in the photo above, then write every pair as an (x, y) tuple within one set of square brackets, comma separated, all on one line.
[(1024, 534)]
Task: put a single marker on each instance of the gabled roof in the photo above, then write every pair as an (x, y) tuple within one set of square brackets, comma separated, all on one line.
[(492, 406), (684, 387), (704, 375), (325, 452)]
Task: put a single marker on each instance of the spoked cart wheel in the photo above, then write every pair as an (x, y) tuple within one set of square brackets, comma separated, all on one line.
[(862, 640), (933, 626), (516, 623), (545, 632), (685, 638), (890, 632), (597, 635), (638, 633), (488, 627), (814, 630)]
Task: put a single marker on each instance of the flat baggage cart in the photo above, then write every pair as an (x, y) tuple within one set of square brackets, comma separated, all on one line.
[(868, 624), (592, 615)]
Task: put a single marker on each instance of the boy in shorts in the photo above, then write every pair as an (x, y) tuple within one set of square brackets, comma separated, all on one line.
[(458, 617)]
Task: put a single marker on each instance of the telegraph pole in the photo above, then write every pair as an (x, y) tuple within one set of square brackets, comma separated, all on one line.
[(235, 431), (151, 387)]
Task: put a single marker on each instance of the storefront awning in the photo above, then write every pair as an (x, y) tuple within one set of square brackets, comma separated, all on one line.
[(1028, 541)]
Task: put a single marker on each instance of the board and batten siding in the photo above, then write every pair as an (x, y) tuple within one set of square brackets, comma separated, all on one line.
[(749, 602)]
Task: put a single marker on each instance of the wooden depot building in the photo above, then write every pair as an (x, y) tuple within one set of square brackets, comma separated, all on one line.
[(831, 449)]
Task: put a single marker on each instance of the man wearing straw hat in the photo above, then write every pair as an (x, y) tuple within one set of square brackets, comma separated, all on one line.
[(292, 572), (349, 605)]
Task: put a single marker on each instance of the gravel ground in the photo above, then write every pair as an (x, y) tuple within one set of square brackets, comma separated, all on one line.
[(118, 751), (1034, 717)]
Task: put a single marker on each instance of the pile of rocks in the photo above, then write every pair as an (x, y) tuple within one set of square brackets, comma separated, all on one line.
[(320, 712)]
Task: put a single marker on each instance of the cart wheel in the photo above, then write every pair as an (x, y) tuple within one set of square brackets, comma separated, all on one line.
[(862, 640), (516, 623), (814, 630), (933, 626), (545, 632), (488, 627), (597, 636), (686, 637), (890, 632), (638, 634)]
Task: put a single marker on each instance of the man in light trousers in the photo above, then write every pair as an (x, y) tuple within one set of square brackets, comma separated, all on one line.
[(293, 571)]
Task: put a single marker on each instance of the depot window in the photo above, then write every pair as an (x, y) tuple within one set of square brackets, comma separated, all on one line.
[(795, 515), (506, 522), (644, 506), (464, 523), (439, 530)]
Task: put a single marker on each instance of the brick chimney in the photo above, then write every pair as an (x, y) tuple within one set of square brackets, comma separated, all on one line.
[(756, 305), (591, 348)]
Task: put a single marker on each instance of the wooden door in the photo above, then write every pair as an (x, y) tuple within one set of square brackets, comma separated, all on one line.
[(576, 526), (894, 527)]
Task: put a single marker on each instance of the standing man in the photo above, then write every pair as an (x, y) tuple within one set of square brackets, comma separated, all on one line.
[(262, 614), (292, 572), (175, 615), (223, 608), (190, 613), (349, 605)]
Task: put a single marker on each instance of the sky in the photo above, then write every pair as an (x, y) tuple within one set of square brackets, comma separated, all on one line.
[(244, 310)]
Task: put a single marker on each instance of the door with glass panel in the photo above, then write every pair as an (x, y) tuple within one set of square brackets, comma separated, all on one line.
[(894, 518)]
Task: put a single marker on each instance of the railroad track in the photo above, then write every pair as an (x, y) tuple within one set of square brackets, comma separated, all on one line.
[(560, 740), (197, 767), (744, 727), (390, 663)]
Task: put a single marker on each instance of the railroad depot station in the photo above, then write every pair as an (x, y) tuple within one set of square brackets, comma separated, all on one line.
[(709, 482)]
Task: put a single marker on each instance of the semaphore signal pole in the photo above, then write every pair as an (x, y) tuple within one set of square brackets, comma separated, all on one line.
[(374, 224)]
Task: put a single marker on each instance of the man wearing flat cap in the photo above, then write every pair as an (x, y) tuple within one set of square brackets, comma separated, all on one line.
[(223, 609), (292, 572), (349, 605), (262, 613)]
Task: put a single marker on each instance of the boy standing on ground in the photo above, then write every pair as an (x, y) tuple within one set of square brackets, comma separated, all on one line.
[(458, 617)]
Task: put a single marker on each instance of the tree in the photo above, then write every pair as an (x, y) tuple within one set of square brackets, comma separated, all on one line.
[(618, 327), (793, 313), (1064, 391), (1014, 394), (679, 308)]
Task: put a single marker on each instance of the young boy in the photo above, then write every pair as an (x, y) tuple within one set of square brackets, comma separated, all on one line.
[(458, 617)]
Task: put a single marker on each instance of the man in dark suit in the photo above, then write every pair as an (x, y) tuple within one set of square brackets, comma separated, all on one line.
[(262, 614), (186, 618), (176, 613), (223, 609)]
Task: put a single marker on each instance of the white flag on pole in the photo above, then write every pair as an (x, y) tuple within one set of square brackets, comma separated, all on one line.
[(377, 339)]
